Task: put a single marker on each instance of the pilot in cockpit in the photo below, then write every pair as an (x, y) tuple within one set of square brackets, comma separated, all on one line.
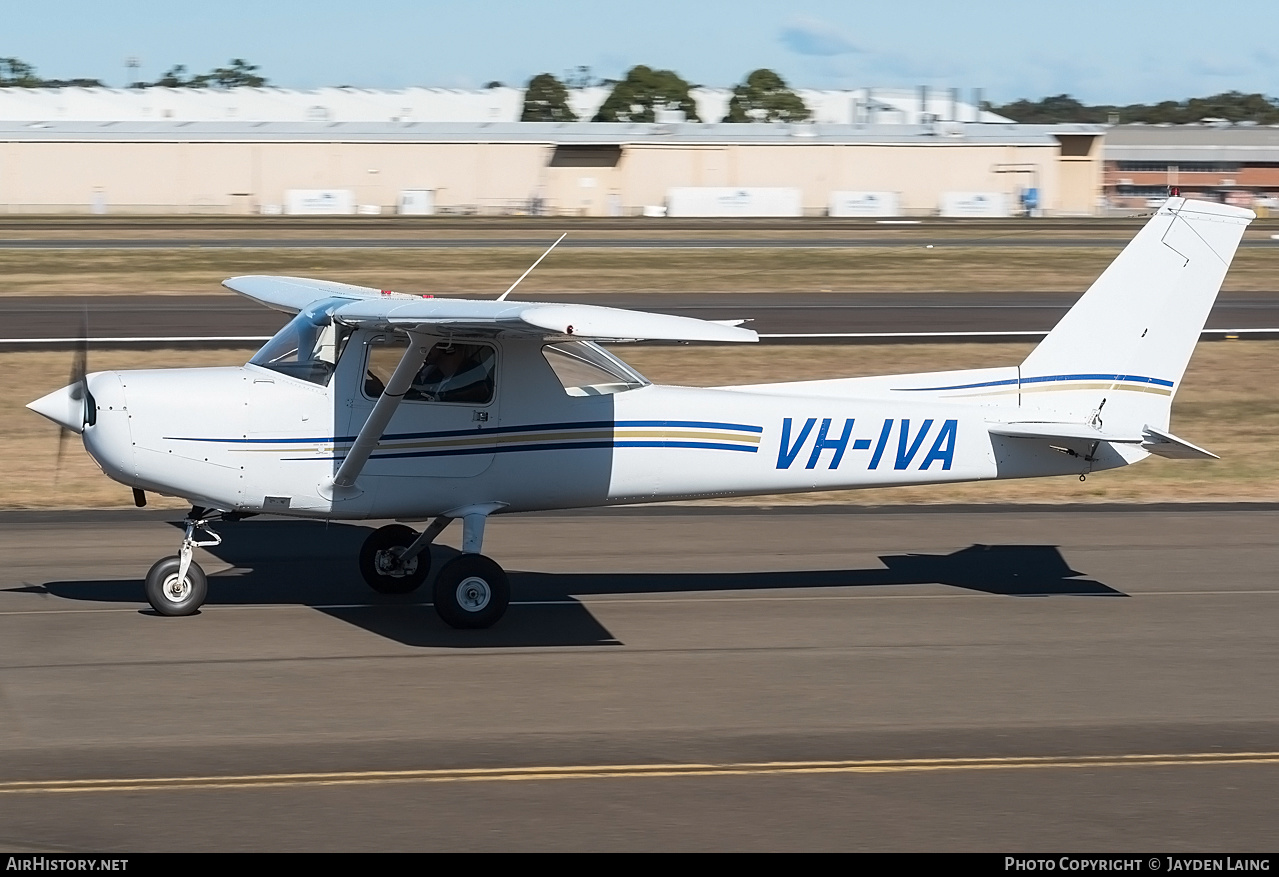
[(455, 373)]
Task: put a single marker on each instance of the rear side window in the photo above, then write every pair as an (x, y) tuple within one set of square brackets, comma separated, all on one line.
[(586, 369)]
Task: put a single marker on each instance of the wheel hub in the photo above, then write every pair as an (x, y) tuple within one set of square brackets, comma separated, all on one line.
[(176, 589), (473, 593), (388, 563)]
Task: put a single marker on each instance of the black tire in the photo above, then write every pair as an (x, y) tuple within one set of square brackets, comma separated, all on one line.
[(377, 546), (471, 592), (167, 596)]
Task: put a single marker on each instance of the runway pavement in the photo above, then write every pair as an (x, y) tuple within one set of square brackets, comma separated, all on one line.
[(1077, 679), (995, 237), (688, 243), (227, 314)]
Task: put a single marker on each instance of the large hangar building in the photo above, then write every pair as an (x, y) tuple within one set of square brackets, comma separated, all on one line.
[(903, 160), (1236, 164)]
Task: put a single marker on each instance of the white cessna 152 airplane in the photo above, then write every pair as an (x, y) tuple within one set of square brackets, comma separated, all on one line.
[(373, 405)]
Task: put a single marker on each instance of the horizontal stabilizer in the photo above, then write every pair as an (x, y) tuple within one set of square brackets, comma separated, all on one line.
[(1156, 441), (1167, 445), (1060, 431)]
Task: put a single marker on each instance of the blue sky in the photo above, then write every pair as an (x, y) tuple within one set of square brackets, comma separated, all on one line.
[(1121, 51)]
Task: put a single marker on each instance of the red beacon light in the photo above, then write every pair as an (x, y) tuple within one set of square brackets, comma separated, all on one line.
[(393, 292)]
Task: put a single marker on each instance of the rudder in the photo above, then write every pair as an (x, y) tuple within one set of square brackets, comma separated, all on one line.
[(1121, 351)]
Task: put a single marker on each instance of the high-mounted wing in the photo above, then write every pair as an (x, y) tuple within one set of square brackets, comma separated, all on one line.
[(420, 318), (540, 320), (294, 294), (373, 308)]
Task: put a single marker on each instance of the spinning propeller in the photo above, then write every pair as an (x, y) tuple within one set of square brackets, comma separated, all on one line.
[(71, 407), (78, 390)]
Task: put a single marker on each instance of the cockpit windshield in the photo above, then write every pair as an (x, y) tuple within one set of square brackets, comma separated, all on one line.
[(309, 347)]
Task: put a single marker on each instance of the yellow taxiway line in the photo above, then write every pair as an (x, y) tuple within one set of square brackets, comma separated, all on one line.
[(617, 771)]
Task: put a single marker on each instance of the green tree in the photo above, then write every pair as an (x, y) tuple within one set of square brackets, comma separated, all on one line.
[(1233, 106), (1050, 110), (240, 74), (546, 100), (765, 97), (71, 83), (176, 77), (18, 74), (644, 91)]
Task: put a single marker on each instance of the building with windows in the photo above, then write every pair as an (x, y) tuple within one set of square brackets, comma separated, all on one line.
[(1236, 164)]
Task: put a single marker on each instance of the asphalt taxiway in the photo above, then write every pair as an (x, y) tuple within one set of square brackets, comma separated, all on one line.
[(823, 314), (1083, 679)]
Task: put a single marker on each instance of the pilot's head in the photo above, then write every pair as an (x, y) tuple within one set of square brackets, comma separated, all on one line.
[(446, 357)]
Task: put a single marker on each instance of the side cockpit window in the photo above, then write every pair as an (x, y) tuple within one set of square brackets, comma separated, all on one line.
[(586, 369), (308, 347), (453, 371)]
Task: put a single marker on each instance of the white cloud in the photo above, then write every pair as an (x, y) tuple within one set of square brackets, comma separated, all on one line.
[(810, 36)]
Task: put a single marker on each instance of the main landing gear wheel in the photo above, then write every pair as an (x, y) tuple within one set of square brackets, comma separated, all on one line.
[(172, 596), (471, 592), (380, 564)]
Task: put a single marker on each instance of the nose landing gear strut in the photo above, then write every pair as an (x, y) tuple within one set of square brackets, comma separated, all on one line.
[(176, 585)]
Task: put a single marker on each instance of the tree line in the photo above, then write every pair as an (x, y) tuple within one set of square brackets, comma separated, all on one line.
[(1232, 106), (15, 73), (762, 97)]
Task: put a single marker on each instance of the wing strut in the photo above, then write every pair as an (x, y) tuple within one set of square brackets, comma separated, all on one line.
[(343, 483)]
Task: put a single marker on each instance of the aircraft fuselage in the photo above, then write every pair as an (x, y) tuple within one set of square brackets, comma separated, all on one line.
[(253, 439)]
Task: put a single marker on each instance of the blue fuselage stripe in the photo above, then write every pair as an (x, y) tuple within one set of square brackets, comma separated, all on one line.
[(495, 430), (547, 446), (1012, 382)]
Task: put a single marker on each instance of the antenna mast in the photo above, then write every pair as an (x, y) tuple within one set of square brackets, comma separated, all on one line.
[(503, 296)]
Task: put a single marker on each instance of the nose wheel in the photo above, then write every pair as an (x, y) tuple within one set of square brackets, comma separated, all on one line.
[(172, 593), (177, 585)]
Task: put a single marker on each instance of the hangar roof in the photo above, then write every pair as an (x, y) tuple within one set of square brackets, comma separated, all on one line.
[(499, 104), (1246, 143), (551, 133)]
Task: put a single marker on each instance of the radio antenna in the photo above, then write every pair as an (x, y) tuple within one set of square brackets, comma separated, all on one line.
[(503, 296)]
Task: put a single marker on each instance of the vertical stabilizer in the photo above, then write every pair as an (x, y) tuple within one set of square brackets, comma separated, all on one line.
[(1121, 351)]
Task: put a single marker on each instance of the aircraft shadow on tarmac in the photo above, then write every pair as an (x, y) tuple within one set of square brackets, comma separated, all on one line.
[(312, 563)]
